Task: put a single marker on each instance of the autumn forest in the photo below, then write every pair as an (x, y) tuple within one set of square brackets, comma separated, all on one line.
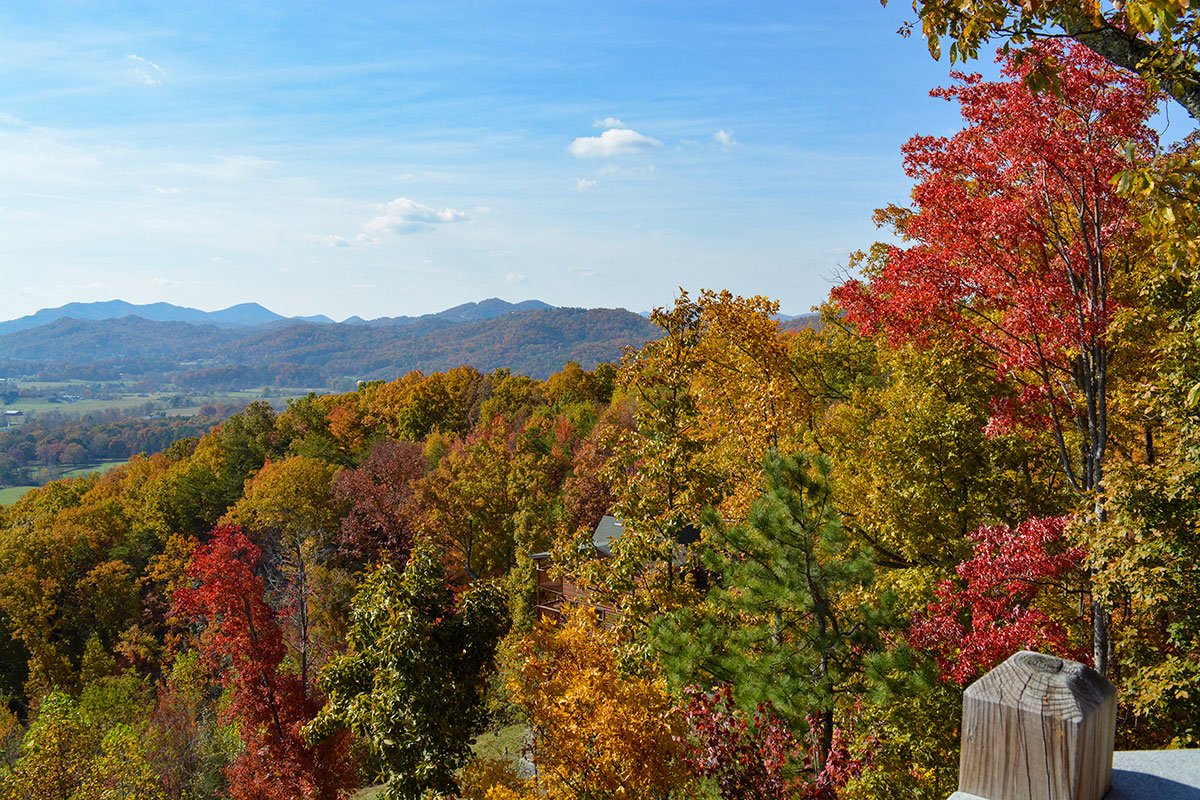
[(989, 443)]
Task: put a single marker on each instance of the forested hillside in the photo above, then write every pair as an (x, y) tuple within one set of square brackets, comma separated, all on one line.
[(533, 341), (989, 443)]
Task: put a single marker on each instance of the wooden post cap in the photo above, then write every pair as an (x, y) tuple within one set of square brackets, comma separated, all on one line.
[(1038, 728)]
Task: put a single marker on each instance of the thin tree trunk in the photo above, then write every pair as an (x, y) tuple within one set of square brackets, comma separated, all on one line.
[(1100, 616)]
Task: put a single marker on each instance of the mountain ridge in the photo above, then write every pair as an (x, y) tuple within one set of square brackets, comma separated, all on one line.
[(532, 341), (248, 314)]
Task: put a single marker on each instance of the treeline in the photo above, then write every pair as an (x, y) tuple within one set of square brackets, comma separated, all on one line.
[(51, 440), (989, 444)]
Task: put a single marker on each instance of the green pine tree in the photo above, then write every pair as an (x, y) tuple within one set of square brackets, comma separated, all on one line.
[(789, 620)]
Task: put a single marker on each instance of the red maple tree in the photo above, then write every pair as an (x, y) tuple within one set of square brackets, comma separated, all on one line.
[(243, 643), (379, 497), (1015, 241), (746, 756), (989, 612), (749, 755)]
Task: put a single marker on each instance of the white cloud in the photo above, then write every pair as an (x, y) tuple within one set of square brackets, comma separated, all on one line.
[(403, 216), (483, 209), (514, 277), (583, 184), (611, 143), (167, 189), (583, 272), (145, 71), (609, 122), (627, 172), (724, 138), (330, 240)]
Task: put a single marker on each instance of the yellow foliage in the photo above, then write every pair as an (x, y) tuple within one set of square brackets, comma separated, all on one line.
[(484, 778), (597, 732), (294, 497)]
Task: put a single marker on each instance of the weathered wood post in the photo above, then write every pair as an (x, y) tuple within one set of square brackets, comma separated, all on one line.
[(1038, 728)]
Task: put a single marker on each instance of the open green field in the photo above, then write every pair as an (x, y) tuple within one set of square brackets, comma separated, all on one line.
[(35, 404), (505, 743), (125, 400), (12, 494), (103, 466)]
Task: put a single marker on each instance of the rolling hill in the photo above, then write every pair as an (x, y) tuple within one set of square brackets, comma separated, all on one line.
[(535, 340)]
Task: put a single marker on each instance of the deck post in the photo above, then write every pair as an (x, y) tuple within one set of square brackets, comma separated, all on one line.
[(1038, 728)]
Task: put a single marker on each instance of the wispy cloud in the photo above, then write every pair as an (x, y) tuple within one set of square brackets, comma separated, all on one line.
[(403, 215), (724, 138), (609, 122), (627, 172), (146, 71), (583, 272), (329, 239), (618, 141), (514, 278), (583, 184)]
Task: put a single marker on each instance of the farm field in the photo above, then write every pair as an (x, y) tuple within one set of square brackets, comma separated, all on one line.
[(103, 466), (124, 399), (11, 494)]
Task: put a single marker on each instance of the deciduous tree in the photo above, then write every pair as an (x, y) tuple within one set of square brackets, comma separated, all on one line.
[(1157, 39), (243, 642), (747, 756), (411, 684), (1018, 240), (597, 732), (990, 611)]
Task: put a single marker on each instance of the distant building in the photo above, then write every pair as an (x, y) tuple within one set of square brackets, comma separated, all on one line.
[(551, 595), (8, 412)]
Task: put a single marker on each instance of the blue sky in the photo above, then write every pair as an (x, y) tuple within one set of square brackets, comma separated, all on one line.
[(399, 158)]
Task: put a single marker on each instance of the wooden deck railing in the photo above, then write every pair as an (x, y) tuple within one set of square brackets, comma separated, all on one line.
[(1038, 728)]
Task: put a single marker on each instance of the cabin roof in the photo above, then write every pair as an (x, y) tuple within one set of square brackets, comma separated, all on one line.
[(607, 531)]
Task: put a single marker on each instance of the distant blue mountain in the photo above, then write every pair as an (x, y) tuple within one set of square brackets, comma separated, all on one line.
[(250, 314), (491, 308), (234, 316)]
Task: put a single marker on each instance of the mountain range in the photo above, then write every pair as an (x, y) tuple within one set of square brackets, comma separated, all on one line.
[(246, 314), (248, 346)]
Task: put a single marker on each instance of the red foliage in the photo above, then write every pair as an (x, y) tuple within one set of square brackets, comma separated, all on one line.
[(840, 766), (745, 755), (748, 755), (1016, 223), (586, 496), (379, 494), (243, 642), (988, 614)]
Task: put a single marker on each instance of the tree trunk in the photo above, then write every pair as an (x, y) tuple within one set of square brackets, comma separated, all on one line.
[(1100, 616), (1130, 52)]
